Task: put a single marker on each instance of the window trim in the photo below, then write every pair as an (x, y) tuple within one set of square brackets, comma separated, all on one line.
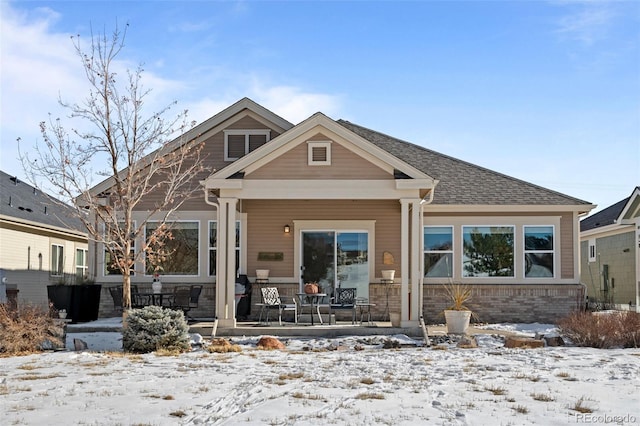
[(513, 248), (424, 251), (318, 144), (85, 265), (246, 133), (132, 272), (525, 251), (591, 250)]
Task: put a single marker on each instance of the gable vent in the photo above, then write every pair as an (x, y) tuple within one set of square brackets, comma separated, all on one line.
[(319, 153)]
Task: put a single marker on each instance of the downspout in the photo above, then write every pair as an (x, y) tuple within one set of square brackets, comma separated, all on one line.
[(425, 333)]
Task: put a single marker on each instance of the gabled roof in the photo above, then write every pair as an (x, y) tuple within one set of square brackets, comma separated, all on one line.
[(205, 127), (268, 151), (613, 214), (465, 183), (26, 204)]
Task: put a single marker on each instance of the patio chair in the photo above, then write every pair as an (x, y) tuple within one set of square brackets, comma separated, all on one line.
[(194, 296), (138, 300), (271, 300), (313, 302), (345, 298), (116, 295), (182, 300)]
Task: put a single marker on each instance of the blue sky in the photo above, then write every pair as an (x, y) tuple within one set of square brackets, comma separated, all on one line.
[(548, 92)]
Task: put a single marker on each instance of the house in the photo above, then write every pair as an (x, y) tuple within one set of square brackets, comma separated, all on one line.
[(610, 253), (40, 243), (336, 203)]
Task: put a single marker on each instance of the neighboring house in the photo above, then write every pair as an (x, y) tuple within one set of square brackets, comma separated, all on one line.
[(333, 202), (610, 253), (40, 243)]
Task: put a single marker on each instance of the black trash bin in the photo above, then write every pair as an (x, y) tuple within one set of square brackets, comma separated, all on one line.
[(243, 309)]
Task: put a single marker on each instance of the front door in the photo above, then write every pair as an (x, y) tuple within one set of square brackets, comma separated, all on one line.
[(336, 259)]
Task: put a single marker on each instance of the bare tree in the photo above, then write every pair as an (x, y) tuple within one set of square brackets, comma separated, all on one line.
[(141, 155)]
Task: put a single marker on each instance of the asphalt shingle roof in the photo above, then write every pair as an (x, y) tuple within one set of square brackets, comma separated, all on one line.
[(22, 201), (604, 217), (462, 182)]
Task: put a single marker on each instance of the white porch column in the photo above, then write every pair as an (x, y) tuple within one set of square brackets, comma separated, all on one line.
[(404, 261), (226, 262), (637, 246), (416, 262)]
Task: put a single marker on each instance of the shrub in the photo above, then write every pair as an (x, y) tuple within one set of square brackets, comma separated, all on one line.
[(603, 329), (27, 330), (152, 328)]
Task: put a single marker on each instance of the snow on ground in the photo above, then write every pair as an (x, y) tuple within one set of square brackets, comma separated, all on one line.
[(342, 381)]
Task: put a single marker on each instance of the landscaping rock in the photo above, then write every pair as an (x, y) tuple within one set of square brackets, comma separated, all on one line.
[(554, 341), (268, 342), (468, 342), (523, 343)]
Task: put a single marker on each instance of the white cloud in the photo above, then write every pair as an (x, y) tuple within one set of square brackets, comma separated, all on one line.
[(589, 24)]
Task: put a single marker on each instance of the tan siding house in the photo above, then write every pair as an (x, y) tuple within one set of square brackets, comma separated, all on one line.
[(335, 203), (32, 227)]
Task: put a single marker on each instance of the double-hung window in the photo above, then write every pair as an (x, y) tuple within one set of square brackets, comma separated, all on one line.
[(487, 251), (57, 260), (538, 251), (438, 251), (111, 261), (238, 143), (82, 269), (213, 246)]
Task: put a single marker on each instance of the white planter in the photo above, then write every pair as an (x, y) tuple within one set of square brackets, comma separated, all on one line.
[(388, 274), (156, 286), (457, 321), (262, 274), (395, 319)]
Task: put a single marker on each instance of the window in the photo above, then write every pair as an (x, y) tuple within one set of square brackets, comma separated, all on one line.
[(213, 246), (82, 269), (538, 251), (592, 251), (110, 263), (487, 251), (319, 153), (179, 253), (238, 143), (438, 251), (57, 260)]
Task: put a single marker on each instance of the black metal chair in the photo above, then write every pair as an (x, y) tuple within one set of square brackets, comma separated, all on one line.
[(271, 300), (194, 296), (345, 298), (182, 300)]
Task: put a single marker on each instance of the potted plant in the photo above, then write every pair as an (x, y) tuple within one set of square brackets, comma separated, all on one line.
[(457, 315), (77, 295)]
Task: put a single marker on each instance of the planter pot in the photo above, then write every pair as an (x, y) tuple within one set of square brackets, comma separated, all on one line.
[(81, 302), (156, 286), (388, 274), (457, 321), (310, 288), (395, 319), (262, 274)]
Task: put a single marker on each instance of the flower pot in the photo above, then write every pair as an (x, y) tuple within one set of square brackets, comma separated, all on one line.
[(262, 274), (388, 274), (311, 288), (395, 319), (62, 315), (457, 321), (156, 286)]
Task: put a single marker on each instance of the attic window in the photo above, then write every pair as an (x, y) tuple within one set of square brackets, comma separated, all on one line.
[(319, 153), (239, 142)]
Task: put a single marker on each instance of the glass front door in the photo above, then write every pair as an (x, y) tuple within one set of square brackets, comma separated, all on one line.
[(336, 259)]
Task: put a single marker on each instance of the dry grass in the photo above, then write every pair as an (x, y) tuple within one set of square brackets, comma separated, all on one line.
[(370, 395), (26, 330), (496, 390), (224, 349), (580, 407), (367, 381), (520, 409), (602, 329), (178, 413), (542, 397)]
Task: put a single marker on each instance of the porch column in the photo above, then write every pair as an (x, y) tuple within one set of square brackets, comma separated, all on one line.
[(637, 247), (411, 253), (226, 262)]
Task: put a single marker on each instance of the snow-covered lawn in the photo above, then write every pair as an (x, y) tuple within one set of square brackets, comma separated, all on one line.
[(344, 381)]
